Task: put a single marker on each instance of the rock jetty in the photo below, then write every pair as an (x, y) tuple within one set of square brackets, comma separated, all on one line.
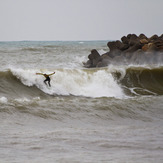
[(130, 49)]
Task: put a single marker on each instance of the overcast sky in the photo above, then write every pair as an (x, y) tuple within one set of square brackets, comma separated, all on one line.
[(79, 19)]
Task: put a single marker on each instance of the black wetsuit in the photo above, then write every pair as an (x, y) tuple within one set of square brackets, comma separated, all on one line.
[(47, 80)]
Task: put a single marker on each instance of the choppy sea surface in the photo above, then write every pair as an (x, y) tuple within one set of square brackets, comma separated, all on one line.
[(112, 114)]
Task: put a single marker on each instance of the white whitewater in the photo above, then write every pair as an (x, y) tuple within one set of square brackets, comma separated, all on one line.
[(76, 82)]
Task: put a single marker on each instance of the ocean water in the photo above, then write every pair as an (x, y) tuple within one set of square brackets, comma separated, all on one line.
[(112, 114)]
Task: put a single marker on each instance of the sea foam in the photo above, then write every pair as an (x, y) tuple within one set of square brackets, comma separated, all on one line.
[(77, 82), (3, 100)]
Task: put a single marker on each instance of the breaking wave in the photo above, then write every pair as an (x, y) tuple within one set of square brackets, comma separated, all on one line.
[(89, 83), (106, 82), (143, 80)]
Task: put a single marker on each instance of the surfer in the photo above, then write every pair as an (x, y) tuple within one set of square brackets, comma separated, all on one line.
[(47, 77)]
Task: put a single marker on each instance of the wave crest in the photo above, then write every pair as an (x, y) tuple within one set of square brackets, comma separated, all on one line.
[(105, 82)]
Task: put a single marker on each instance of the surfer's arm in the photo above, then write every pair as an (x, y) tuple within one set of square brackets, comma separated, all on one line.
[(51, 74), (39, 74)]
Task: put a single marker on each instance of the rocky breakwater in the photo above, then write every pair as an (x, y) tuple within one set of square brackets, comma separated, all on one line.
[(132, 49)]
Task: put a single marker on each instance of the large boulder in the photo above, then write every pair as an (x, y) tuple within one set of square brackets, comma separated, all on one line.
[(114, 45), (153, 38), (115, 48), (133, 40), (144, 41), (149, 47), (94, 58), (133, 48), (125, 40), (142, 36), (161, 37)]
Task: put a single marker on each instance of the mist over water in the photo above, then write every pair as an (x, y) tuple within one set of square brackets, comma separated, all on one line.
[(111, 114)]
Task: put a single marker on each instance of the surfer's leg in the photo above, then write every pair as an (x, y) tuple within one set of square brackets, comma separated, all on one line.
[(45, 81), (49, 82)]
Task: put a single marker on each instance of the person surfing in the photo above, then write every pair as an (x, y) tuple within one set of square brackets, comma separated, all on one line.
[(47, 77)]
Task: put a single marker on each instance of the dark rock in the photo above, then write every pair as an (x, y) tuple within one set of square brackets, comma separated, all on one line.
[(131, 49), (94, 58), (129, 36), (87, 64), (124, 47), (105, 55), (133, 40), (104, 62), (149, 47), (160, 48), (145, 47), (114, 45), (125, 40), (144, 41), (94, 54), (161, 37), (152, 47), (158, 42), (114, 53), (154, 37), (142, 36)]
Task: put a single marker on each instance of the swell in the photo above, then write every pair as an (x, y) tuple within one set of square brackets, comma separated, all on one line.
[(84, 109), (11, 86), (143, 81), (86, 82)]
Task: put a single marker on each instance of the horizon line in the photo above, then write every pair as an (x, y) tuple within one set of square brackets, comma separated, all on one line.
[(53, 40)]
